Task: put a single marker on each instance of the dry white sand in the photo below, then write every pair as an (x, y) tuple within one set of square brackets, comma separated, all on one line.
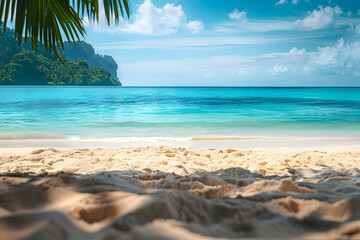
[(180, 193)]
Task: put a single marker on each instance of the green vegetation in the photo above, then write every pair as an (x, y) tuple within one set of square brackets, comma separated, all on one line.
[(84, 50), (22, 66), (47, 22)]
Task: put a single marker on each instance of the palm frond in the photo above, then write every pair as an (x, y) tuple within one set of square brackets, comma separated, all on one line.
[(48, 21)]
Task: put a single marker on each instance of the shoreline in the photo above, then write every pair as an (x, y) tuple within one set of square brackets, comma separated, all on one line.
[(274, 149), (240, 142)]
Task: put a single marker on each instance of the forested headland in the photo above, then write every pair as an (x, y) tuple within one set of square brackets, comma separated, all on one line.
[(23, 66)]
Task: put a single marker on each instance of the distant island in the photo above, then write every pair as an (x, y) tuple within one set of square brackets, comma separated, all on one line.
[(82, 67)]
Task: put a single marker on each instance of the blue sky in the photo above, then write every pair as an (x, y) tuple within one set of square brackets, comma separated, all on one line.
[(234, 43)]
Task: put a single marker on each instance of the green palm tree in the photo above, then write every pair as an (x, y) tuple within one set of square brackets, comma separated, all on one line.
[(48, 21)]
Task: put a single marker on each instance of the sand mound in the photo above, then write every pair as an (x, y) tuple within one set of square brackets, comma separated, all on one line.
[(40, 202)]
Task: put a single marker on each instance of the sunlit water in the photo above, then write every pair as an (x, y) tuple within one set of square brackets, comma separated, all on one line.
[(125, 112)]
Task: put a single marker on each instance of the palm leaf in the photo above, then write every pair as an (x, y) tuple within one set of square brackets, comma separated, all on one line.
[(48, 21)]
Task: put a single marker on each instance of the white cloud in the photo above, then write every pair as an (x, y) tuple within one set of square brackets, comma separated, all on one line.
[(322, 18), (156, 21), (256, 25), (340, 59), (211, 67), (185, 43), (326, 56), (286, 1), (195, 26), (276, 69), (355, 28), (237, 15), (281, 2), (293, 67), (150, 20), (297, 52)]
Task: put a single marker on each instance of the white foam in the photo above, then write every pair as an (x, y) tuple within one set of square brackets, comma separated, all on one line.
[(130, 139)]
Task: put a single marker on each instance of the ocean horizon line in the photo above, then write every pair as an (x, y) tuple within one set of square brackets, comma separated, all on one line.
[(76, 86)]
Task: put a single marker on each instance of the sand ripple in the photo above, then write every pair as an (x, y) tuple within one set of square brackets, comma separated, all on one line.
[(180, 199)]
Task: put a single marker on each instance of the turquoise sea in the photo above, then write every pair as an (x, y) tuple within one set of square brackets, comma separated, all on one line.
[(123, 113)]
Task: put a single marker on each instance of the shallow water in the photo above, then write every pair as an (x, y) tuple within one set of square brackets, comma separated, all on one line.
[(47, 112)]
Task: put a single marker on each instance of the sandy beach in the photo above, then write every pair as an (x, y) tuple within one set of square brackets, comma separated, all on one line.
[(180, 193), (179, 120)]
